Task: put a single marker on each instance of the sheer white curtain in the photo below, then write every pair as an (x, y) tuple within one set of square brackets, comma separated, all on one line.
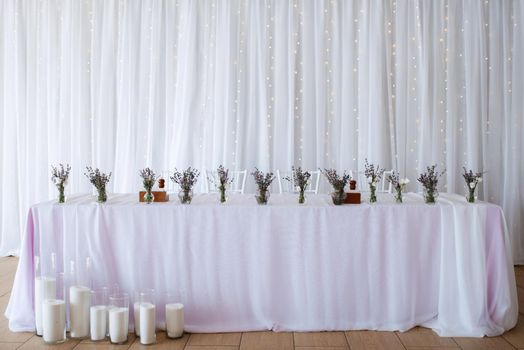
[(125, 84)]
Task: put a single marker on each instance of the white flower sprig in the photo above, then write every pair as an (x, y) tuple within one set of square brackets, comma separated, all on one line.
[(472, 179), (60, 174), (149, 178)]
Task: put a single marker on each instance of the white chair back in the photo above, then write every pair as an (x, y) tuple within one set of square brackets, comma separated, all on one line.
[(285, 186), (362, 183), (237, 186)]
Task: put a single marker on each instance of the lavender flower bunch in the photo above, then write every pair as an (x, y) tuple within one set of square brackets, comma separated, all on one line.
[(148, 180), (223, 182), (99, 180), (263, 182), (338, 183), (472, 180), (59, 176), (429, 181), (398, 184), (373, 176), (186, 180), (299, 179)]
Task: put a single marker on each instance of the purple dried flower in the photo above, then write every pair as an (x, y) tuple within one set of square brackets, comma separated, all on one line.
[(187, 179), (338, 182)]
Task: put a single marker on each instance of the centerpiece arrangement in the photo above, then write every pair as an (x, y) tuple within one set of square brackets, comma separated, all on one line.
[(472, 180), (186, 180), (429, 181), (373, 176), (263, 182), (299, 179), (148, 180), (59, 176), (222, 182), (398, 185), (338, 183), (99, 180)]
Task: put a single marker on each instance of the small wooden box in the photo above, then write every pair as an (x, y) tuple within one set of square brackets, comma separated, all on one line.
[(352, 198), (160, 196)]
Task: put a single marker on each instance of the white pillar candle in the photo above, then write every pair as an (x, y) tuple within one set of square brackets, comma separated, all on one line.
[(147, 323), (98, 322), (79, 303), (175, 320), (45, 288), (109, 307), (53, 320), (136, 313), (118, 324)]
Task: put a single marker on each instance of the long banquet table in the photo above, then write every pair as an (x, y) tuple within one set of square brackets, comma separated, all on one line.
[(242, 266)]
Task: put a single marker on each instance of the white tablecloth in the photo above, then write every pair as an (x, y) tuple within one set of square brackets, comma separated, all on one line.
[(284, 266)]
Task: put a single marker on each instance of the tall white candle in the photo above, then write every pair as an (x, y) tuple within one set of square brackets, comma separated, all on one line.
[(147, 323), (80, 301), (45, 288), (175, 320), (98, 322), (136, 313), (118, 324), (53, 320)]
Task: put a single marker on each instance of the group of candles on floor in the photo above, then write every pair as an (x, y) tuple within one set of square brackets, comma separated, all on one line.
[(98, 314)]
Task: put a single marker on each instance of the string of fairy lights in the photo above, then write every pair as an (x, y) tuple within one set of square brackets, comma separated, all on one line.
[(452, 57)]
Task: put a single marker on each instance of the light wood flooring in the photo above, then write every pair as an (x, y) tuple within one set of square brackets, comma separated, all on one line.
[(415, 339)]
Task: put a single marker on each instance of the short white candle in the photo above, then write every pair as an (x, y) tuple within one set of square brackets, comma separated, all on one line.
[(45, 288), (118, 324), (53, 320), (80, 301), (98, 322), (175, 320), (147, 323), (136, 313)]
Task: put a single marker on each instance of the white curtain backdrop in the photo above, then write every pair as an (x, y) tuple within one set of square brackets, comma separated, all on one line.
[(126, 84)]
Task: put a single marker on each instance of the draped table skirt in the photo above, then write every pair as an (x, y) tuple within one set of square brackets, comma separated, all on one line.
[(240, 266)]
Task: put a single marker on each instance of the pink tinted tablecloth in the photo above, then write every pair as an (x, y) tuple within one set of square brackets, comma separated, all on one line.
[(289, 267)]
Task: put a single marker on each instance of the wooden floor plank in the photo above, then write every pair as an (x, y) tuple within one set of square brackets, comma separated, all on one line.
[(420, 336), (218, 339), (266, 341), (35, 343), (320, 339), (372, 340), (486, 343), (162, 343), (516, 336)]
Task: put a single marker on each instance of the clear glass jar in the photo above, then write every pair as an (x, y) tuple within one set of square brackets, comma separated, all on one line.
[(185, 196), (262, 196), (338, 197), (118, 318)]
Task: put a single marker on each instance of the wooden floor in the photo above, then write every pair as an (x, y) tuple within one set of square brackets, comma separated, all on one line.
[(415, 339)]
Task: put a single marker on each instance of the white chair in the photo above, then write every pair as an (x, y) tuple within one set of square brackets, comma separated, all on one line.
[(237, 186), (289, 187), (362, 182)]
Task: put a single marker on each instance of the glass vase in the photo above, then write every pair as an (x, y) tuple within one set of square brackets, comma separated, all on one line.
[(148, 196), (372, 195), (222, 192), (338, 197), (102, 195), (118, 318), (471, 195), (262, 196), (430, 195), (398, 196), (61, 193), (185, 196), (301, 197)]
